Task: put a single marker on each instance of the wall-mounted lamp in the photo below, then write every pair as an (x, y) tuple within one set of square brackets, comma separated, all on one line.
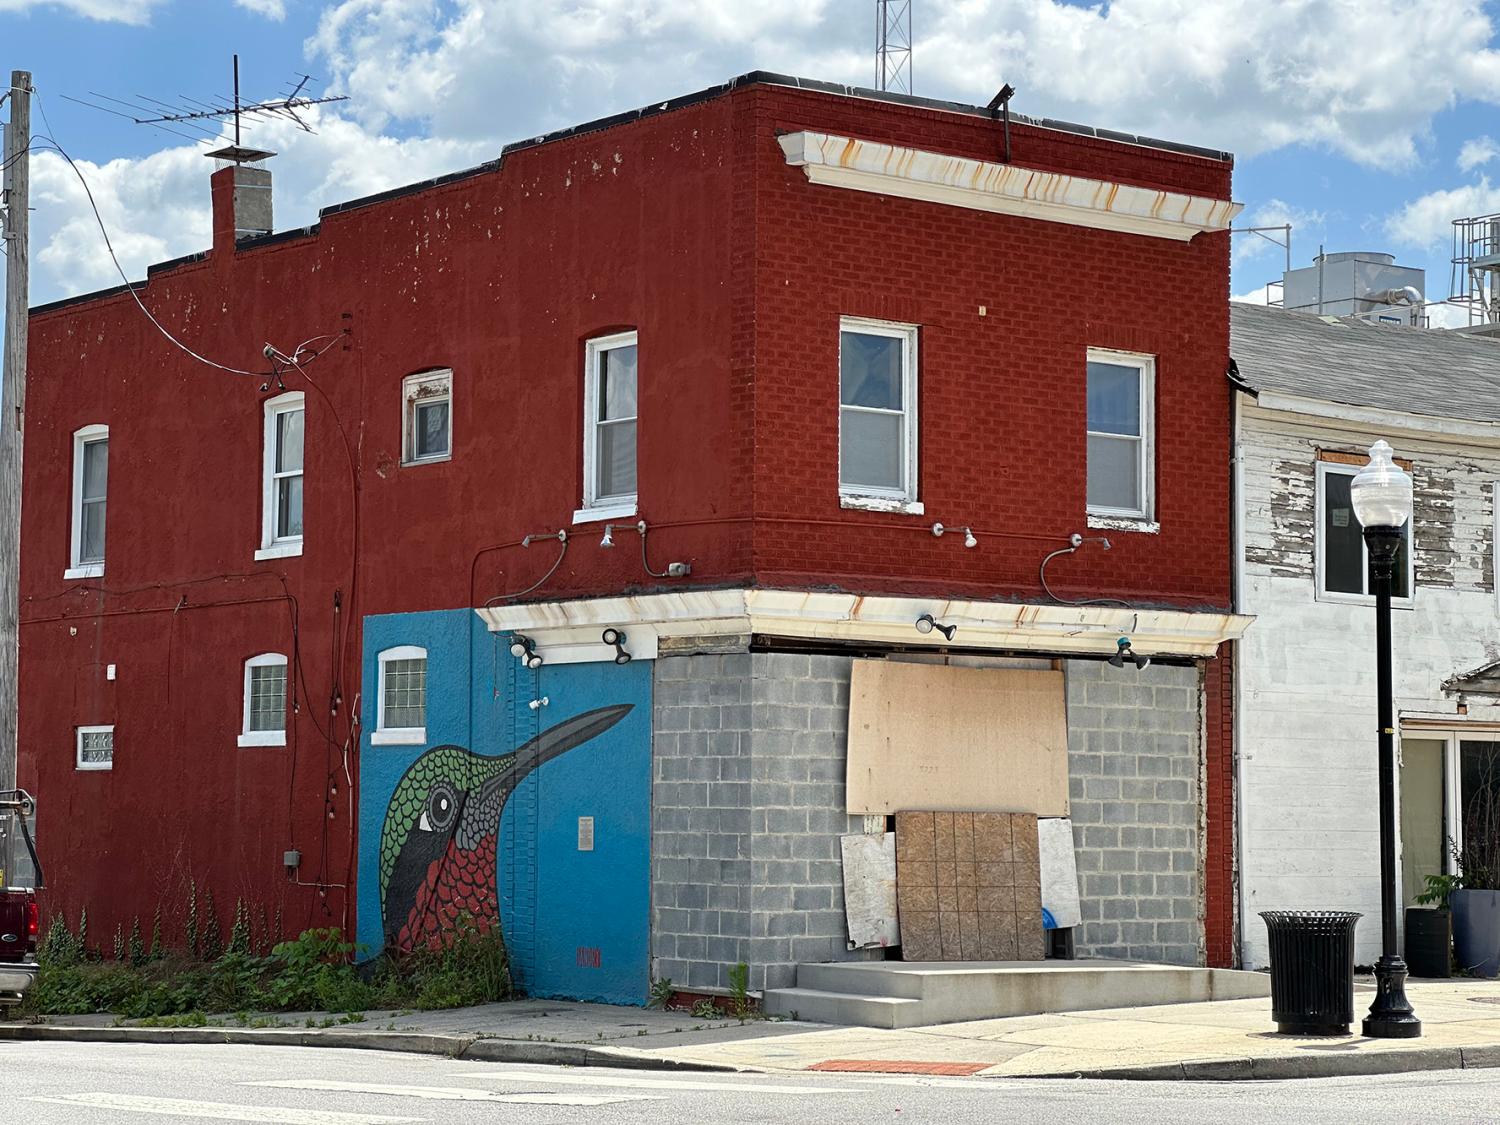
[(609, 536), (1124, 652), (538, 704), (969, 541), (561, 536), (524, 650), (927, 623), (616, 637)]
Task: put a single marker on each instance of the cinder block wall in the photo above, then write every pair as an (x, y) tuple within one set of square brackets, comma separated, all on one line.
[(749, 797), (1133, 770)]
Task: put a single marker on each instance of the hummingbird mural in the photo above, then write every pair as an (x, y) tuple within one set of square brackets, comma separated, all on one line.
[(438, 854)]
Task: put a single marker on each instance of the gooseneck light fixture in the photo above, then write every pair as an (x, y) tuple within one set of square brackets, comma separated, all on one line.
[(1381, 496), (938, 530), (927, 623)]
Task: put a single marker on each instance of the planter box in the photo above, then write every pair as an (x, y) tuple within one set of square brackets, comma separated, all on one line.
[(1429, 941), (1476, 931)]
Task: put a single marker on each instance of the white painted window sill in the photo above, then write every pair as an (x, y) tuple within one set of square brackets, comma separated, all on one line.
[(263, 738), (87, 570), (287, 550), (623, 511), (434, 459), (92, 766), (404, 736), (882, 504), (1102, 522)]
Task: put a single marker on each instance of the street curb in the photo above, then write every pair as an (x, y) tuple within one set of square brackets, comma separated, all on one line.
[(1283, 1067), (475, 1047)]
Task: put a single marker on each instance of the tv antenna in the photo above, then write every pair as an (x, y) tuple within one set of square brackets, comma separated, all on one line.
[(206, 118)]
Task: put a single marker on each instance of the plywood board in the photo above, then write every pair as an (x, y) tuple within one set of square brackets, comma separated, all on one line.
[(1059, 871), (927, 736), (870, 890), (968, 886)]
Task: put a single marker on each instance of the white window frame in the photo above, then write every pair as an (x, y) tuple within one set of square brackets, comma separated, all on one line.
[(415, 390), (250, 737), (1145, 515), (272, 547), (78, 733), (868, 497), (1324, 469), (396, 736), (596, 507), (77, 568)]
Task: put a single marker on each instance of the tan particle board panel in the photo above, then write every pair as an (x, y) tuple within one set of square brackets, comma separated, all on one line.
[(925, 736), (968, 886)]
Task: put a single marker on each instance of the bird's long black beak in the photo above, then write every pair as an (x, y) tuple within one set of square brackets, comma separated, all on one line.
[(554, 742)]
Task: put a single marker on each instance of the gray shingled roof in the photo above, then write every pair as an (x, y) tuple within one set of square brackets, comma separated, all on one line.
[(1412, 370)]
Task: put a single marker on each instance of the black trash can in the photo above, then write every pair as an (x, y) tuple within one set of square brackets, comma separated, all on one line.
[(1312, 970)]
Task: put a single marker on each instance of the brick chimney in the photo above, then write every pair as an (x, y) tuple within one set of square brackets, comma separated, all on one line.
[(241, 199)]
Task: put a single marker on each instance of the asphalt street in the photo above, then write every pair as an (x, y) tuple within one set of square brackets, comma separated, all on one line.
[(94, 1084)]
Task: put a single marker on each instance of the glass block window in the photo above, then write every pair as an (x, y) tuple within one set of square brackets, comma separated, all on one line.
[(403, 696), (95, 748)]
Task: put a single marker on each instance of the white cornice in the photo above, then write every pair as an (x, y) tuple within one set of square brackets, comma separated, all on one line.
[(569, 631), (1007, 189)]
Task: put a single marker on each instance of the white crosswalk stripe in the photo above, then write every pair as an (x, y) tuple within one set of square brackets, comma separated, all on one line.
[(221, 1111), (452, 1093), (754, 1085)]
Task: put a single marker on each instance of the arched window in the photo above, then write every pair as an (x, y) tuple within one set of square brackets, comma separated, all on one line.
[(401, 698), (264, 721)]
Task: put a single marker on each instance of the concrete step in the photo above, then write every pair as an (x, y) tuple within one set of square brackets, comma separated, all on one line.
[(914, 994), (846, 1009)]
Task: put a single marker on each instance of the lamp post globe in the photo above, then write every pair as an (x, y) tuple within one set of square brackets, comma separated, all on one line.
[(1381, 491), (1381, 496)]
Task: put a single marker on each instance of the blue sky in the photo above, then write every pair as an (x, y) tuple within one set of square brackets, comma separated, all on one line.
[(1367, 131)]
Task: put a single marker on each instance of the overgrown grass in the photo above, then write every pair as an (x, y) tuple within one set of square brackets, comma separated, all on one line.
[(313, 973)]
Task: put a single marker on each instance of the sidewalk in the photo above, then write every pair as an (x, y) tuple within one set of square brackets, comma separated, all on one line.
[(1217, 1040)]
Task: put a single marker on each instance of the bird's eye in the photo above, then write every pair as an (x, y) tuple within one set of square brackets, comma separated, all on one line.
[(441, 810)]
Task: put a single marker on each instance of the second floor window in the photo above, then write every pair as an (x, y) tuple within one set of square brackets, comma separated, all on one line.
[(90, 487), (609, 429), (427, 417), (1343, 561), (1121, 471), (878, 411), (281, 485)]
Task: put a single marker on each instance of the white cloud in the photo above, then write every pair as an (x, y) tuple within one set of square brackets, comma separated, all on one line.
[(271, 9), (1427, 221), (111, 11), (1480, 150), (1237, 74), (1259, 296), (157, 207)]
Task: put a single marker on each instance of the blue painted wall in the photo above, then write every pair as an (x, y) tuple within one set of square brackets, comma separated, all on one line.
[(576, 922)]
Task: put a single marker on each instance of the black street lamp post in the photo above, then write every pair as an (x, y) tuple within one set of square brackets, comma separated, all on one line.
[(1381, 496)]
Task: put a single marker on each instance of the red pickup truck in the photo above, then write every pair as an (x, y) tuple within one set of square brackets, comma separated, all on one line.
[(20, 878)]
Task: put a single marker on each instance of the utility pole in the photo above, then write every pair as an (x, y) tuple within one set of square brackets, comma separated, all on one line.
[(16, 199)]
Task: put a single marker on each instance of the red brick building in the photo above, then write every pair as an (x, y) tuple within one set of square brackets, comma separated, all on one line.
[(852, 359)]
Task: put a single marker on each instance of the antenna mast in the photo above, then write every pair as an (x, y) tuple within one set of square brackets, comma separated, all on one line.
[(893, 45)]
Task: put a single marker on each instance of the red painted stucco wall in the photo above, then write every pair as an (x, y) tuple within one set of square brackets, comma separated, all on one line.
[(687, 226)]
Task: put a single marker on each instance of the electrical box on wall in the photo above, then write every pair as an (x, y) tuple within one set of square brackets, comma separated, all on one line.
[(585, 833)]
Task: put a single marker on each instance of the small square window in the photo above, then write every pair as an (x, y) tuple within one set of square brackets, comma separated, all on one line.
[(95, 747), (402, 716), (1343, 559), (427, 417)]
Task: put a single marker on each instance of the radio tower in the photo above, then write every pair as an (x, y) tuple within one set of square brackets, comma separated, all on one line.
[(893, 45)]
